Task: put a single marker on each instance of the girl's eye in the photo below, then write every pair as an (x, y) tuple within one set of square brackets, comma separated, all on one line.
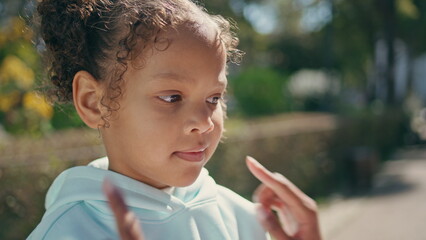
[(171, 98), (214, 100)]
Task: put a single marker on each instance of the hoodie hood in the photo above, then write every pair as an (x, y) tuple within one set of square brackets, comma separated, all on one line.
[(78, 209), (84, 183)]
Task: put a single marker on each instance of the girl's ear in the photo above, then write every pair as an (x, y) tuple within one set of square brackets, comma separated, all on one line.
[(87, 95)]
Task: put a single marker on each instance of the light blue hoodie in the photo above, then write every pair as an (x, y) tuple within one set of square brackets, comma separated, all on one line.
[(76, 208)]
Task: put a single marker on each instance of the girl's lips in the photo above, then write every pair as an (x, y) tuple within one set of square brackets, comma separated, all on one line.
[(191, 156)]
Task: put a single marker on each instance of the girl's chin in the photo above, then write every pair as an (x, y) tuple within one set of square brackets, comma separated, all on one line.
[(187, 179)]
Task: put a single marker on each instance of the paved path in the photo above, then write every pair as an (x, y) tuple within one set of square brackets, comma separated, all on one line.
[(395, 210)]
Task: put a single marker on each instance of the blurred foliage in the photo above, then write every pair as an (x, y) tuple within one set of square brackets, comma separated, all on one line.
[(342, 37), (22, 109), (322, 154), (65, 116), (260, 91), (28, 168), (296, 145), (19, 213), (17, 210), (364, 140)]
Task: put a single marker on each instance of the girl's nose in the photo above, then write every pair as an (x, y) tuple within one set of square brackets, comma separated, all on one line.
[(199, 121)]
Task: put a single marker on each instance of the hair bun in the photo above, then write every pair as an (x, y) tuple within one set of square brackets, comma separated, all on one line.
[(78, 9), (64, 30), (83, 11)]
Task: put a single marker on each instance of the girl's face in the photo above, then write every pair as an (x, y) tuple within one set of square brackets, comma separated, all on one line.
[(170, 119)]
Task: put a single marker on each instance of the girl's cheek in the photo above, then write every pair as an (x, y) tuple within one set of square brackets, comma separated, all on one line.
[(164, 108), (219, 113)]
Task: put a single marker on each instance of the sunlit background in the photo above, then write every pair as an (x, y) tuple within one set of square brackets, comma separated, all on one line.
[(331, 93)]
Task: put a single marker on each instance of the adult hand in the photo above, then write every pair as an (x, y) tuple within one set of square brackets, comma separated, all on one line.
[(127, 224), (297, 213)]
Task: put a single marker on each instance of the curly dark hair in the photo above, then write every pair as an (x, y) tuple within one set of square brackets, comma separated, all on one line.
[(103, 36)]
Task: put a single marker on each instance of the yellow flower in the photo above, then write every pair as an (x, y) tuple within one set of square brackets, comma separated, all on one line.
[(39, 104), (18, 29), (15, 69), (15, 29), (7, 101), (408, 8)]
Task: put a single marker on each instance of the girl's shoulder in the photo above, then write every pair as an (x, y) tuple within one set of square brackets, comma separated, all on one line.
[(234, 199), (242, 212), (234, 202), (70, 221)]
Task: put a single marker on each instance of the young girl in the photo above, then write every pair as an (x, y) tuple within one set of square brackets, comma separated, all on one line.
[(150, 75)]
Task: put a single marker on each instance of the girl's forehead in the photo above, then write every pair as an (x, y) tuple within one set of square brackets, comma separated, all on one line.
[(202, 31), (176, 46)]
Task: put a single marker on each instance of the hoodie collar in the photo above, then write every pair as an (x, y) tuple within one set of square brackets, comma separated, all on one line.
[(84, 183)]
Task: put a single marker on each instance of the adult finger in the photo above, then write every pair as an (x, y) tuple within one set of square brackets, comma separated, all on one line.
[(127, 223)]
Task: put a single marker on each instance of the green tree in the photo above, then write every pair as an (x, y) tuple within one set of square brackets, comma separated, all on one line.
[(259, 91)]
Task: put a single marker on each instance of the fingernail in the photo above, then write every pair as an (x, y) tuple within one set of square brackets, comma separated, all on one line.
[(254, 161)]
